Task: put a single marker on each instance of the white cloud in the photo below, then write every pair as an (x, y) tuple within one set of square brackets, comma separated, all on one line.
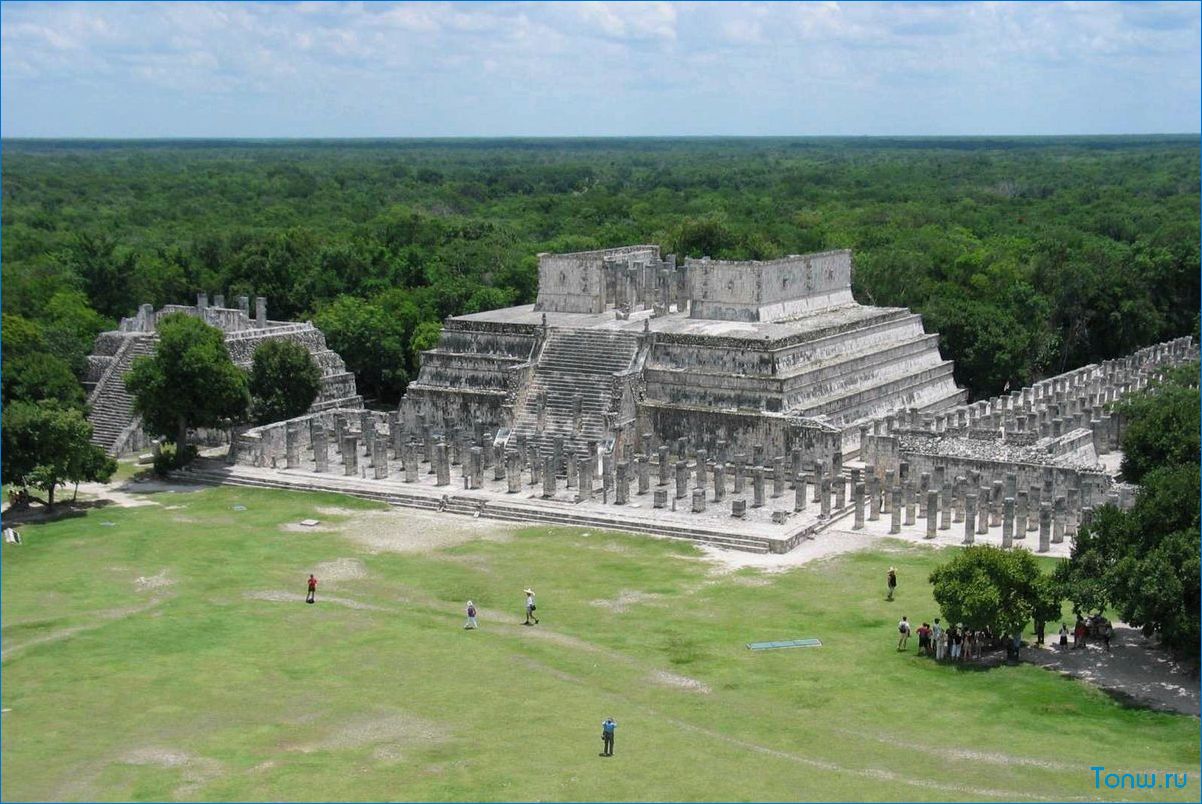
[(616, 68)]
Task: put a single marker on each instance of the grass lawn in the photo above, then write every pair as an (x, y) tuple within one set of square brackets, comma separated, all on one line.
[(210, 679)]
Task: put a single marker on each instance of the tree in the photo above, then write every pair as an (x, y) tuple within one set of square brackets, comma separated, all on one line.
[(371, 343), (47, 445), (985, 586), (426, 336), (189, 382), (1163, 424), (1143, 563), (284, 381)]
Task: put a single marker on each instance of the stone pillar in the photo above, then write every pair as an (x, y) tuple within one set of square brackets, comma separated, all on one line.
[(548, 476), (817, 481), (1045, 527), (739, 477), (1072, 514), (202, 301), (1058, 511), (476, 465), (321, 450), (858, 503), (840, 484), (895, 510), (924, 485), (778, 476), (970, 515), (411, 462), (719, 481), (911, 507), (1033, 508), (799, 492), (1007, 522), (698, 500), (795, 455), (958, 493), (738, 508), (932, 512), (261, 312), (643, 469), (660, 498), (1020, 516), (534, 462), (757, 455), (587, 467), (890, 482), (824, 492), (874, 497), (442, 465), (243, 306), (995, 504), (622, 489), (513, 471), (757, 487), (350, 455), (983, 511), (682, 479), (665, 470), (379, 458), (945, 508), (291, 446)]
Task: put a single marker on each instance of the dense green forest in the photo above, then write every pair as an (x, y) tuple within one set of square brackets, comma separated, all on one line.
[(1029, 255)]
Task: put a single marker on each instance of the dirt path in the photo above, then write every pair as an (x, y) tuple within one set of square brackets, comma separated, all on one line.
[(1134, 670)]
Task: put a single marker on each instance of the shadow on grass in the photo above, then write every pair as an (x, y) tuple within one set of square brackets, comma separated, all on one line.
[(61, 510)]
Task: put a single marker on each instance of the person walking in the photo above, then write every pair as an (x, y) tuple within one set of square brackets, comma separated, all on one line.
[(924, 639), (471, 616), (1107, 633), (1079, 634), (607, 736), (891, 582), (903, 628), (937, 636), (530, 608), (1063, 636), (311, 597)]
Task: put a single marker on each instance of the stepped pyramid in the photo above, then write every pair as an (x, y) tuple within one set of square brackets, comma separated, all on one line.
[(118, 429), (622, 344)]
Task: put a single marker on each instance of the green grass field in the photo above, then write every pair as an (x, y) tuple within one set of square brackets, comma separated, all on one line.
[(211, 680)]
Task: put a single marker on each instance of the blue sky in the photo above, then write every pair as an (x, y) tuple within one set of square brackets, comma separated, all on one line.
[(566, 69)]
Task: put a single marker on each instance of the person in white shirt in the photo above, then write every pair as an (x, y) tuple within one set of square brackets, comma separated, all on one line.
[(903, 628), (530, 607), (937, 635)]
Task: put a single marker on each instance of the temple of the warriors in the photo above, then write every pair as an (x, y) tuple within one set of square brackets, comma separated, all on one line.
[(622, 345), (747, 405), (118, 429)]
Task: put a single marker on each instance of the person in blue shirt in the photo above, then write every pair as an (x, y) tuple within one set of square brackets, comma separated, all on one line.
[(607, 737)]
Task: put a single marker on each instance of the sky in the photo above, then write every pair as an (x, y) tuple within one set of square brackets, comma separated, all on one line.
[(597, 69)]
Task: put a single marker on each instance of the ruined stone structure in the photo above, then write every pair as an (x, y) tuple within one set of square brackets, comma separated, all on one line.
[(114, 424), (747, 405), (734, 356)]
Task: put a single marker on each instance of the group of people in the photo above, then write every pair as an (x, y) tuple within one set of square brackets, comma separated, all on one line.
[(956, 643), (1098, 624), (531, 608)]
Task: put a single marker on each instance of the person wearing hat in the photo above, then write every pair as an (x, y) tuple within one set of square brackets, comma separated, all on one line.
[(530, 607), (607, 736), (891, 582), (471, 616)]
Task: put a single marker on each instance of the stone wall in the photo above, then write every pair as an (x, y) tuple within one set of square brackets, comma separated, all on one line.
[(575, 283), (768, 290)]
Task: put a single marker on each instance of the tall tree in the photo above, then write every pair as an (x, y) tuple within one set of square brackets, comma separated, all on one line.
[(985, 586), (189, 382), (284, 381), (47, 446)]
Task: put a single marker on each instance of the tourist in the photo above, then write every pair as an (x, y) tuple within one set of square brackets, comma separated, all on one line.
[(891, 582), (1063, 636), (1039, 624), (607, 736), (903, 628), (530, 607), (311, 597), (1107, 633), (968, 645), (924, 639), (939, 637), (957, 639), (1079, 634), (471, 616)]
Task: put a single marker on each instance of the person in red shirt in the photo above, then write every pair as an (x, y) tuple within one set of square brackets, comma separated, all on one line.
[(312, 596)]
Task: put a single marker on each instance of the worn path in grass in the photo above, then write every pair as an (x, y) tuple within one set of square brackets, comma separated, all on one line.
[(165, 659)]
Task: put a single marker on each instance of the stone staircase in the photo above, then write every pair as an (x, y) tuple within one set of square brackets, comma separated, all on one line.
[(110, 405), (213, 472), (574, 363)]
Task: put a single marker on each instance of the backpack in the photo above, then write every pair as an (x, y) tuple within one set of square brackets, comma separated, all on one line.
[(901, 628), (471, 611)]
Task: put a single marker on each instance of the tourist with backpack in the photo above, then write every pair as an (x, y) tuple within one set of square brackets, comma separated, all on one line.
[(891, 582), (903, 628), (607, 737), (471, 616)]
